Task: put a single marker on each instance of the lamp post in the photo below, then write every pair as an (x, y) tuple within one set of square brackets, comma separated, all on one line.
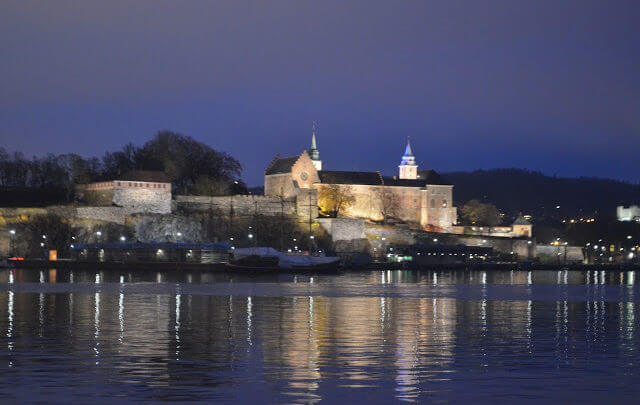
[(12, 234)]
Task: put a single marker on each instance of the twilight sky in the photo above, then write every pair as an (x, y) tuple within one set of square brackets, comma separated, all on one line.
[(544, 85)]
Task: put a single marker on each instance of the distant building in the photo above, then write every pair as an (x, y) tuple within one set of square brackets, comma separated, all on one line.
[(628, 214), (140, 191), (521, 228), (421, 197)]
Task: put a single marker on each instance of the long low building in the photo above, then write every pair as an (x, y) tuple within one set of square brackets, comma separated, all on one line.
[(132, 252)]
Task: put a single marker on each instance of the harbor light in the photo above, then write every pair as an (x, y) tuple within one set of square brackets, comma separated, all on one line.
[(44, 236), (179, 234), (628, 236), (250, 236), (41, 244), (122, 238), (435, 239), (99, 233), (312, 237), (12, 232)]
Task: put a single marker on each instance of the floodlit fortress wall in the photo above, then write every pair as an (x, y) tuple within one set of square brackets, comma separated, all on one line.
[(136, 196)]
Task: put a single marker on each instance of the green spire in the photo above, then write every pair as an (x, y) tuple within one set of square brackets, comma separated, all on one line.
[(313, 151)]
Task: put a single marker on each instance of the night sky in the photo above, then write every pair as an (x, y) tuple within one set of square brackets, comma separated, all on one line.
[(543, 85)]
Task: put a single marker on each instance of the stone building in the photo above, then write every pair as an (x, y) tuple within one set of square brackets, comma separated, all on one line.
[(631, 213), (140, 191), (419, 197)]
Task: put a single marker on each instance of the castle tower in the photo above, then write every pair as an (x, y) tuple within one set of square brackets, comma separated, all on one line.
[(408, 168), (314, 153)]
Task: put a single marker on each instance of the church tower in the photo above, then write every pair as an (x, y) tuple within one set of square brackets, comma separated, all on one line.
[(408, 167), (314, 153)]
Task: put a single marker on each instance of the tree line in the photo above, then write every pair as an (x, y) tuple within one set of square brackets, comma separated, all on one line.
[(192, 167)]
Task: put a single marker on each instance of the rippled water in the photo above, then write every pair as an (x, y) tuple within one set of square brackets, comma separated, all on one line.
[(379, 336)]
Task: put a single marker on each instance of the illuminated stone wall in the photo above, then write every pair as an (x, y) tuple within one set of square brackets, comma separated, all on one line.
[(239, 205), (437, 208), (136, 196), (276, 185)]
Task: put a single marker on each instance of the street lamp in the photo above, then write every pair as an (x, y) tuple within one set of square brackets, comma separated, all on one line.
[(12, 234)]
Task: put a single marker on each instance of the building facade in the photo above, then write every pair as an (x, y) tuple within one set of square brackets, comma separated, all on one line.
[(141, 191), (417, 197), (631, 213)]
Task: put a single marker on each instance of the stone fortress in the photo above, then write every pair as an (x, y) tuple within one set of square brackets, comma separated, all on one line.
[(423, 206), (423, 201), (420, 197)]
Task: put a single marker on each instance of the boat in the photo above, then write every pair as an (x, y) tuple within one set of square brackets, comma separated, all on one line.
[(269, 259)]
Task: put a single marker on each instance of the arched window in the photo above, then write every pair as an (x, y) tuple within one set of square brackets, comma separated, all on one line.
[(444, 203), (433, 203)]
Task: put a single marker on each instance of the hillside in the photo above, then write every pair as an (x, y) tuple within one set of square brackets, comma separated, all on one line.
[(515, 190)]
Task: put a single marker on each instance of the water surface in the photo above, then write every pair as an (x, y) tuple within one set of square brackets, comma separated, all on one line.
[(379, 336)]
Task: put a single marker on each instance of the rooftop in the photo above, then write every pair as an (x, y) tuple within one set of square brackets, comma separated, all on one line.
[(342, 177), (281, 165)]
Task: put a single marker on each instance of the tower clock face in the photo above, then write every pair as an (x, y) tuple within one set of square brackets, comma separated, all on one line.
[(304, 176)]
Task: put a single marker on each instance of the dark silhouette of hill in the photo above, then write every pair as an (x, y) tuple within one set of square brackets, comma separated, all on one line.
[(516, 191)]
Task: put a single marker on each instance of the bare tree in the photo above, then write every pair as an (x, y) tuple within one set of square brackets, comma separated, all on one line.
[(389, 203), (336, 198)]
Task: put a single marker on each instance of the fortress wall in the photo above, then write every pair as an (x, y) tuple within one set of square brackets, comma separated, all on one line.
[(276, 185), (157, 201), (239, 205), (343, 228), (117, 215)]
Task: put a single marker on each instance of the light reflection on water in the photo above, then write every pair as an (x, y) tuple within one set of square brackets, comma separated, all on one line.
[(380, 336)]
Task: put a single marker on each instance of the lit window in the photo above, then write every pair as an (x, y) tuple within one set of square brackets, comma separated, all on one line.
[(444, 203)]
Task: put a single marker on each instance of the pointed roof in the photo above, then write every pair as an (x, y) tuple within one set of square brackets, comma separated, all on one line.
[(281, 165), (407, 150), (314, 153)]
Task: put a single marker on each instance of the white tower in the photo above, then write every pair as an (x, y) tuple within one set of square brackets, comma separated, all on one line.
[(408, 168), (314, 153)]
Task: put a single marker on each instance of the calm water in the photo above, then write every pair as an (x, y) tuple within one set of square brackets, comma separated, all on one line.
[(380, 337)]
